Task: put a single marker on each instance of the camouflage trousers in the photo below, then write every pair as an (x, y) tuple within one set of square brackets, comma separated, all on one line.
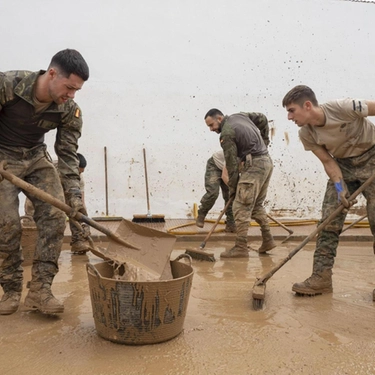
[(76, 233), (250, 194), (213, 183), (355, 171), (33, 166)]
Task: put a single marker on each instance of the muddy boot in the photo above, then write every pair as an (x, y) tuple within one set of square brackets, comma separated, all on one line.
[(10, 302), (230, 228), (80, 247), (317, 283), (238, 251), (268, 242), (41, 298), (200, 221)]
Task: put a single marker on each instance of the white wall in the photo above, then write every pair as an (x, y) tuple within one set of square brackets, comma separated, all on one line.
[(158, 66)]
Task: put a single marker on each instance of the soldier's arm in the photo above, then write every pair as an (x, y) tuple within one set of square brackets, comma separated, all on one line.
[(371, 107), (230, 153), (261, 122), (66, 146)]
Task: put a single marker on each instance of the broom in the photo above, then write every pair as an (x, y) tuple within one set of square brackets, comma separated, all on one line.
[(199, 254), (259, 287), (149, 218)]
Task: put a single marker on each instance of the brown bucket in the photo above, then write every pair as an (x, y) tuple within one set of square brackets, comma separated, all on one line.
[(28, 240), (137, 313)]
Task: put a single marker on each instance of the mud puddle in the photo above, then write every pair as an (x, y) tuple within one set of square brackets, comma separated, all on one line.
[(331, 334)]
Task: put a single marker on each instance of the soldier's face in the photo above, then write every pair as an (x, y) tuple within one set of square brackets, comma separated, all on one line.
[(61, 88), (214, 123), (298, 114)]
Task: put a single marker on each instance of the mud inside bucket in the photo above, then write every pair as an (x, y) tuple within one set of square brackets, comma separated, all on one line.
[(137, 313)]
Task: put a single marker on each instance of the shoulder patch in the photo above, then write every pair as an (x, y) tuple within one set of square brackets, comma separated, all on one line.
[(77, 113)]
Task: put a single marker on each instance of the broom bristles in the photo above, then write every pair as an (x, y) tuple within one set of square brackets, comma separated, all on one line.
[(201, 255), (148, 219)]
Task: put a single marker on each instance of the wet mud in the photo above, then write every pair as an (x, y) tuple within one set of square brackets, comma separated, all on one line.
[(222, 334)]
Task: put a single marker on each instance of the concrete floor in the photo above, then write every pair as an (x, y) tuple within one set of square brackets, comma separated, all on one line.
[(330, 334)]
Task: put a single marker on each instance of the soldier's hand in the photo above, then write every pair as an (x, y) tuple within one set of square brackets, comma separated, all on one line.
[(342, 193)]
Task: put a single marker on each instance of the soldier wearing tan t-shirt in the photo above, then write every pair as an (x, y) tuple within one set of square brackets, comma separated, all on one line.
[(343, 138)]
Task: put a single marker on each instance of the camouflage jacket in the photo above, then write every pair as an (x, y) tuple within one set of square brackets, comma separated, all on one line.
[(20, 126), (242, 134)]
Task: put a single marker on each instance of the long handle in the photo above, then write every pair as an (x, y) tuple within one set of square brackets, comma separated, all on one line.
[(106, 180), (146, 178), (354, 223), (203, 244), (280, 224), (336, 212), (45, 197)]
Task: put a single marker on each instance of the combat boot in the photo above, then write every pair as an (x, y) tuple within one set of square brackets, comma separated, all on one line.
[(10, 302), (317, 283), (40, 297), (238, 251), (230, 228), (268, 242), (200, 221), (80, 247)]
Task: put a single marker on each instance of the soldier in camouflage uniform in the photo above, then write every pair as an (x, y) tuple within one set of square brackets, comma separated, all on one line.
[(340, 135), (31, 104), (242, 141), (216, 178)]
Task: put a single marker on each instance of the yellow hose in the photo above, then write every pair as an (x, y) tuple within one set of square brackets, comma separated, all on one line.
[(287, 223)]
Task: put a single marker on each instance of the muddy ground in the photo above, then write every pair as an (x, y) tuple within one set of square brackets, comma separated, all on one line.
[(330, 334)]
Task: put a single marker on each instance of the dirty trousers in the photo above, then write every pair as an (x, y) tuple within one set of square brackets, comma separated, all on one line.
[(33, 166), (356, 171), (213, 183), (250, 194)]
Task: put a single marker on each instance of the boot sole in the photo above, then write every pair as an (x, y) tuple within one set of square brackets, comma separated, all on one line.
[(8, 312), (265, 250), (34, 306), (311, 292)]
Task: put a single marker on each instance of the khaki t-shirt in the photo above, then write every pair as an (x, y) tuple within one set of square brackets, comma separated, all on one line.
[(346, 133), (219, 159)]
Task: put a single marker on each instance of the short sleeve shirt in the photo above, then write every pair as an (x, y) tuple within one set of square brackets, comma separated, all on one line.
[(346, 133)]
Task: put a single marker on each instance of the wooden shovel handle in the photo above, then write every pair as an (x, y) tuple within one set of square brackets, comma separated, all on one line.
[(45, 197)]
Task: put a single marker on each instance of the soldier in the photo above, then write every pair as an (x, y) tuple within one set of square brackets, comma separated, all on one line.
[(31, 104), (216, 178), (341, 136), (242, 140)]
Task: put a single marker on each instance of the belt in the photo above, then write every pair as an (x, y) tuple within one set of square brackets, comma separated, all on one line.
[(23, 152)]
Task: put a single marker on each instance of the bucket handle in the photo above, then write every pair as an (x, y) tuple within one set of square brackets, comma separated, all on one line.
[(184, 256), (90, 267)]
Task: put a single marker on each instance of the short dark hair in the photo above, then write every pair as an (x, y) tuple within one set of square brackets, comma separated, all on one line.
[(82, 161), (70, 61), (299, 95), (213, 113)]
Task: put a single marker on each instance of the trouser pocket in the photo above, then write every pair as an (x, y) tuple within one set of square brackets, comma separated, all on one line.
[(245, 192)]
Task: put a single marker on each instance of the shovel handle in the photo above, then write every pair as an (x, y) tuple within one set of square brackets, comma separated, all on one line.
[(45, 197)]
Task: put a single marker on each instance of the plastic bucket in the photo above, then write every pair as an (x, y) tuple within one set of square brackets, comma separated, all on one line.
[(138, 313)]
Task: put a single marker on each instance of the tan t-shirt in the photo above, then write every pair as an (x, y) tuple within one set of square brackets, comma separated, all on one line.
[(219, 159), (346, 133)]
